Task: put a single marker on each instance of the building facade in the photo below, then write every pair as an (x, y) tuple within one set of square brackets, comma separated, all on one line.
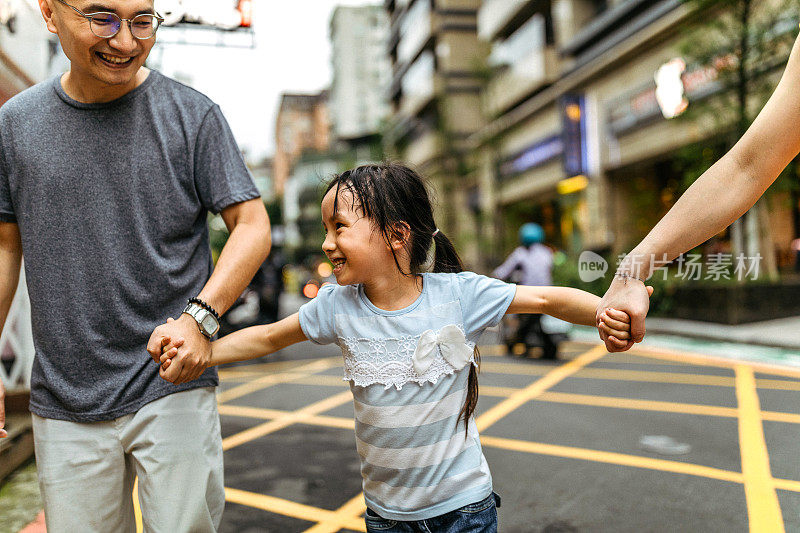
[(583, 131), (26, 47), (303, 123), (361, 71), (438, 65)]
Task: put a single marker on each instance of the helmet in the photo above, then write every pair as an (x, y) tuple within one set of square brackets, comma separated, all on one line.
[(531, 233)]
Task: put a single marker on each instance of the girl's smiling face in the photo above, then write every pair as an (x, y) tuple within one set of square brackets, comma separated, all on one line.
[(353, 245)]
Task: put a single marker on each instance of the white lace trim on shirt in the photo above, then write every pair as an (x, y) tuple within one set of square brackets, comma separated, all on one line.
[(390, 362)]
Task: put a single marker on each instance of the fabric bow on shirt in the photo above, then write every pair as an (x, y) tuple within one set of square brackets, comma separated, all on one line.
[(451, 343)]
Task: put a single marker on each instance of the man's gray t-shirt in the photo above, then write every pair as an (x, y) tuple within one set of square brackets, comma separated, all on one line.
[(111, 201)]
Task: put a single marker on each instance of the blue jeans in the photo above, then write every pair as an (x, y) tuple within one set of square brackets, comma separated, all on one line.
[(479, 517)]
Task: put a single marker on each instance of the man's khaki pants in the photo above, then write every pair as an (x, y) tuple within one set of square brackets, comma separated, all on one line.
[(173, 444)]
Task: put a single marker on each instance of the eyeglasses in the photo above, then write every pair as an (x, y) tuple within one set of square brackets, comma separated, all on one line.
[(107, 25)]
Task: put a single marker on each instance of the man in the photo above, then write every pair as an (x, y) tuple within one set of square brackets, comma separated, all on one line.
[(720, 196), (106, 177)]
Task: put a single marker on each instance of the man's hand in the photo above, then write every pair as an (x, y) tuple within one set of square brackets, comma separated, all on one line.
[(3, 432), (180, 342), (632, 298)]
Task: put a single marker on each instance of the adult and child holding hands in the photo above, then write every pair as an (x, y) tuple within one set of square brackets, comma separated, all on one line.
[(107, 173)]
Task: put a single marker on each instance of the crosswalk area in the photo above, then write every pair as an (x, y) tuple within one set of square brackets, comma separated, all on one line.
[(646, 440)]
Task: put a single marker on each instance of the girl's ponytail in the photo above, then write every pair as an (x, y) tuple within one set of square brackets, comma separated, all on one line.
[(446, 259)]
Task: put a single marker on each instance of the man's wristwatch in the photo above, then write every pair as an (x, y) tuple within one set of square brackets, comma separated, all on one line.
[(206, 321)]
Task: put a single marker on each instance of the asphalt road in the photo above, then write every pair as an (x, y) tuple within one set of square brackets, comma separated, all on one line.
[(643, 441)]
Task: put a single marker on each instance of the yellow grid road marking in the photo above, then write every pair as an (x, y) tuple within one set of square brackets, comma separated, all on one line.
[(666, 357), (572, 346), (553, 397), (626, 358), (523, 396), (334, 520), (642, 376), (137, 510), (787, 484), (271, 414), (622, 459), (569, 452), (503, 392), (778, 384), (638, 405), (763, 507), (628, 375), (327, 381), (788, 418), (353, 509), (273, 379), (238, 375), (522, 369), (274, 366), (287, 420), (290, 508), (488, 390), (710, 360)]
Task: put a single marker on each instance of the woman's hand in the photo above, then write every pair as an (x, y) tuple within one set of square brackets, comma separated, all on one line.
[(630, 297)]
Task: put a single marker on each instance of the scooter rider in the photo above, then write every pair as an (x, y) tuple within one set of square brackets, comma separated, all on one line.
[(534, 262)]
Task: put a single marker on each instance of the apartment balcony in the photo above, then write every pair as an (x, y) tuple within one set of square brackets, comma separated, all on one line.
[(538, 68), (495, 15), (416, 29), (423, 148), (411, 105), (418, 85)]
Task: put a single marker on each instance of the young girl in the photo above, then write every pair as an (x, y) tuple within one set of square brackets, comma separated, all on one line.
[(408, 339)]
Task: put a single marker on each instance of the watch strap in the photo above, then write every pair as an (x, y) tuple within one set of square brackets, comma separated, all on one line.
[(204, 305)]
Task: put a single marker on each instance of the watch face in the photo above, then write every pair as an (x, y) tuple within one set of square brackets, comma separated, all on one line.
[(210, 324)]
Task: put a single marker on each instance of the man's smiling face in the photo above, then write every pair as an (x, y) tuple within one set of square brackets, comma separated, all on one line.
[(97, 61)]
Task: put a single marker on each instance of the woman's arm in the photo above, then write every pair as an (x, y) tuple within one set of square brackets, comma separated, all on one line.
[(732, 185), (718, 197)]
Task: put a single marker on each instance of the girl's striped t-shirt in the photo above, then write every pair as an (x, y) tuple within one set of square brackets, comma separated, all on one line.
[(417, 460)]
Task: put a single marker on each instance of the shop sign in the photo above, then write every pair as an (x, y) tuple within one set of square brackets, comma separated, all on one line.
[(220, 14), (573, 109), (572, 185), (535, 155), (670, 91), (667, 96)]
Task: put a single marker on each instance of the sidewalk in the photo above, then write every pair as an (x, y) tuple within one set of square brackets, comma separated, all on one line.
[(780, 333), (775, 342)]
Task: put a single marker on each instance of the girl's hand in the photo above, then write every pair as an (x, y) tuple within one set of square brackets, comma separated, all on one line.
[(171, 350), (166, 357), (615, 324)]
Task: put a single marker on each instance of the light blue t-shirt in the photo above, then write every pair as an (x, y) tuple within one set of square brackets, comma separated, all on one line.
[(415, 460)]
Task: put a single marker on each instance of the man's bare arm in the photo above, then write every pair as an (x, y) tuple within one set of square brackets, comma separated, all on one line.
[(10, 260), (244, 252)]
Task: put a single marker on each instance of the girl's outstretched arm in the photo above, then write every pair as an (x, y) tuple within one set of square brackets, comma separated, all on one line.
[(257, 341), (248, 343), (566, 303)]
